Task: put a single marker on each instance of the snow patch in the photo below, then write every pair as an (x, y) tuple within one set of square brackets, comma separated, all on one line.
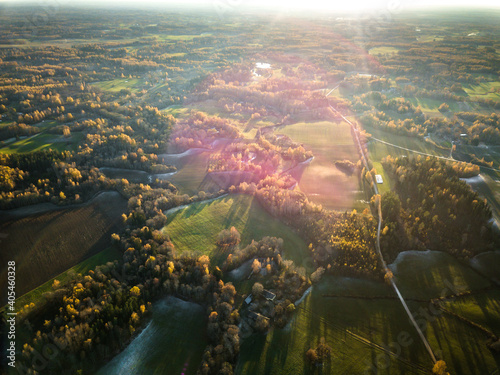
[(299, 301), (242, 271), (473, 180), (175, 209), (409, 255), (188, 152)]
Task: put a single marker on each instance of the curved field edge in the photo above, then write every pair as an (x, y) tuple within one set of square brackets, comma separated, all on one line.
[(172, 343), (107, 255), (195, 228), (46, 244), (369, 332), (321, 180)]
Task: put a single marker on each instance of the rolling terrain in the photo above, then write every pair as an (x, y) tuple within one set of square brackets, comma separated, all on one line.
[(46, 244)]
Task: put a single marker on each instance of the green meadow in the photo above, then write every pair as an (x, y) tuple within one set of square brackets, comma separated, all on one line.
[(195, 227), (430, 106), (107, 255), (116, 85), (321, 181), (431, 274), (397, 145), (488, 90), (191, 173), (43, 141), (369, 331), (383, 51)]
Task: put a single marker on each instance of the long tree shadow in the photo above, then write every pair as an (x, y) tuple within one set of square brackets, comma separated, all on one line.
[(252, 347), (236, 213)]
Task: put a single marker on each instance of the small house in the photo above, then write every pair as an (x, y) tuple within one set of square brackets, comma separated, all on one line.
[(254, 315), (268, 295)]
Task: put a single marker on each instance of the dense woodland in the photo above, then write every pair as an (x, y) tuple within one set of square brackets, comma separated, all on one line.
[(428, 194)]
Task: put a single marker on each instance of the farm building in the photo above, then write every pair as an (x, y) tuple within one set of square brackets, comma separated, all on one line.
[(254, 315), (268, 295)]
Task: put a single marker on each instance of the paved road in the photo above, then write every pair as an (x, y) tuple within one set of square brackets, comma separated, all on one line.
[(377, 244)]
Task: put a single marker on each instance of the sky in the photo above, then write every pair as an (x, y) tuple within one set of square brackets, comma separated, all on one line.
[(327, 4), (283, 5)]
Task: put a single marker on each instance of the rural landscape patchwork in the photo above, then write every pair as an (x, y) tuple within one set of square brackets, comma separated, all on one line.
[(223, 190)]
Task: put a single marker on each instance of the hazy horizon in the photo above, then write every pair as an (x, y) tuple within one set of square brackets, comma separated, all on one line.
[(313, 6)]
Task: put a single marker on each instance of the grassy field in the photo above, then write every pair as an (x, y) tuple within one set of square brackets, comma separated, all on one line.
[(489, 153), (431, 274), (486, 90), (176, 110), (481, 308), (488, 264), (43, 141), (357, 330), (47, 244), (239, 278), (116, 85), (172, 343), (174, 55), (180, 37), (4, 124), (209, 107), (378, 150), (107, 255), (383, 51), (321, 180), (386, 185), (320, 135), (251, 132), (335, 93), (191, 173), (429, 38), (196, 227), (430, 106), (283, 351), (488, 189), (463, 347)]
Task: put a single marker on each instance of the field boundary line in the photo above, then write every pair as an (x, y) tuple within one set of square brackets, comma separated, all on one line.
[(469, 322), (366, 341), (414, 151), (432, 156)]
